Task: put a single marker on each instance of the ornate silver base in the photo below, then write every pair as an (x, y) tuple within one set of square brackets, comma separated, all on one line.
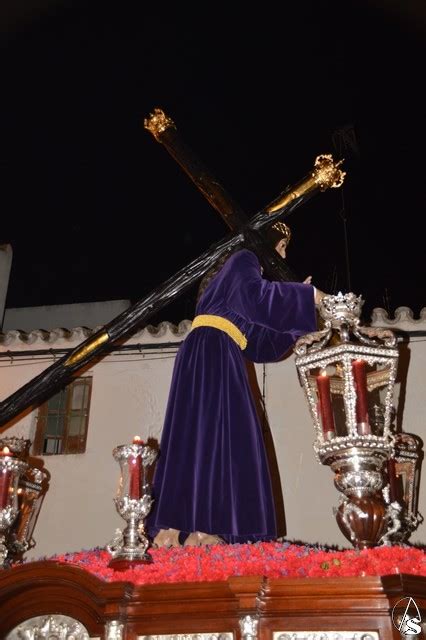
[(130, 546), (123, 564), (362, 515)]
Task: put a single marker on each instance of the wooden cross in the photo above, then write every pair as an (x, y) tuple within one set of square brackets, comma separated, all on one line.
[(165, 132), (325, 174)]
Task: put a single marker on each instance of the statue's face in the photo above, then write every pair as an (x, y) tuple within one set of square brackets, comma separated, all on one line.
[(280, 247)]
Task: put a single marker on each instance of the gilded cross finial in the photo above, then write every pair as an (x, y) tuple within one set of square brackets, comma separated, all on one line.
[(326, 172), (157, 122)]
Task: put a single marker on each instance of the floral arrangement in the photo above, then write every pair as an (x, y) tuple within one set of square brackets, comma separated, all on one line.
[(270, 559)]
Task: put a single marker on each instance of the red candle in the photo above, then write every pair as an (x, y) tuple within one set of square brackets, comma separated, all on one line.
[(360, 380), (5, 480), (326, 410), (135, 464)]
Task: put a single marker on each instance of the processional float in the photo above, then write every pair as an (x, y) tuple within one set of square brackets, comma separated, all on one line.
[(325, 174)]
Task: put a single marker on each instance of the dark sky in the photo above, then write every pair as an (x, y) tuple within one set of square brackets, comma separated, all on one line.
[(95, 209)]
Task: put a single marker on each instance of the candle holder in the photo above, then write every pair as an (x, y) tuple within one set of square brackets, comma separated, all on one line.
[(11, 468), (133, 503), (32, 486), (345, 370)]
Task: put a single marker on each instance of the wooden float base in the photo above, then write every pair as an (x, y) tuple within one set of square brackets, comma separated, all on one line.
[(277, 609)]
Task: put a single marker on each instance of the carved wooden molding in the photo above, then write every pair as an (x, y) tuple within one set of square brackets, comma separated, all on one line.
[(282, 606)]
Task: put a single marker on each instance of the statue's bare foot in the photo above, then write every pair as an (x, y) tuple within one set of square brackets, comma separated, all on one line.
[(167, 538), (199, 539)]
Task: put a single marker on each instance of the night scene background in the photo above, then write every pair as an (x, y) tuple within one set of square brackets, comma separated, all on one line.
[(95, 209)]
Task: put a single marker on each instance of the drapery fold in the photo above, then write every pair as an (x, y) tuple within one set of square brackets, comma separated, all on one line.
[(212, 473)]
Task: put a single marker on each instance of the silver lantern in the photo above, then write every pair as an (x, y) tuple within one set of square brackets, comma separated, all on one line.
[(348, 374), (32, 487), (11, 469)]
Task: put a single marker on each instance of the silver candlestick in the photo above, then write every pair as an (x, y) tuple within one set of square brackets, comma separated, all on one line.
[(11, 468), (133, 503)]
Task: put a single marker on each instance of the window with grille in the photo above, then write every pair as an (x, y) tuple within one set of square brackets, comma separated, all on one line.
[(63, 420)]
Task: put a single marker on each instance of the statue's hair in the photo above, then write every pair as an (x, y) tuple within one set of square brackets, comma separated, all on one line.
[(214, 270), (271, 236)]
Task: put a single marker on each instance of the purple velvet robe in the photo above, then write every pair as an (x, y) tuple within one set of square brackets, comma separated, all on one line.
[(212, 474)]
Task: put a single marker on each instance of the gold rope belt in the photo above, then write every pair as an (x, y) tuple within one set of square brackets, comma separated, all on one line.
[(217, 322)]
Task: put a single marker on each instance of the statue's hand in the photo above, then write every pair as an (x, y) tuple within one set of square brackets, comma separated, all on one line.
[(319, 295)]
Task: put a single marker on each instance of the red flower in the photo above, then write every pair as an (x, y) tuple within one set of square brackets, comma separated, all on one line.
[(270, 559)]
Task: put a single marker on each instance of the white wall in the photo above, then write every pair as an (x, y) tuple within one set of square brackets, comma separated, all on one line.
[(129, 398)]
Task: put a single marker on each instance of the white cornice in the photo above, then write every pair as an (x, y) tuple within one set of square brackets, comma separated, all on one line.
[(168, 332), (403, 319), (165, 331)]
